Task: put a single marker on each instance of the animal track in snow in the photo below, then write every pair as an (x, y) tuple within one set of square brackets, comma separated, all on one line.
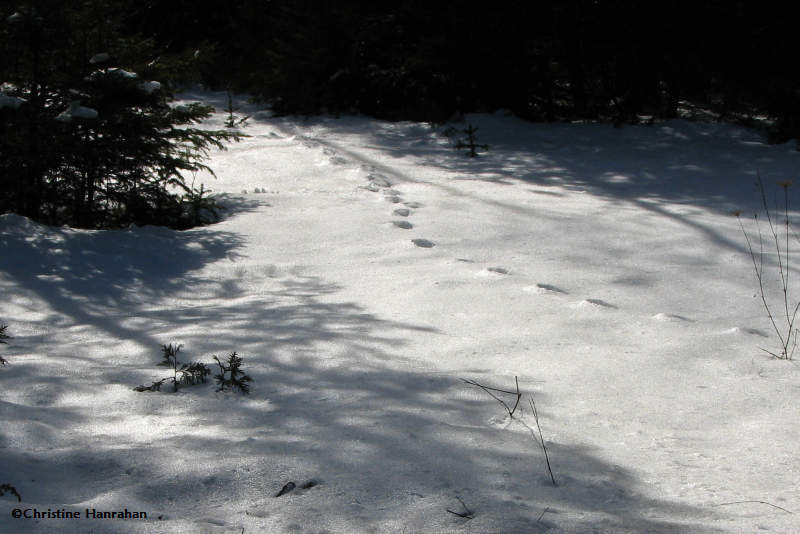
[(544, 289), (307, 141), (424, 243), (257, 190), (594, 304), (668, 317), (405, 225), (402, 212), (394, 199), (371, 187), (339, 160), (744, 330), (493, 272), (379, 180), (412, 205)]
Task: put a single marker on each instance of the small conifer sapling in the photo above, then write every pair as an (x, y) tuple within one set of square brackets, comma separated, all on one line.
[(471, 142), (233, 121), (231, 376), (3, 337), (190, 373)]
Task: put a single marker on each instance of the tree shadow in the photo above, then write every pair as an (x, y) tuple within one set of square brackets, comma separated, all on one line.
[(335, 399), (96, 278)]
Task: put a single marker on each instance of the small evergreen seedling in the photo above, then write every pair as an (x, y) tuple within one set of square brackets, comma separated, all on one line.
[(3, 337), (233, 380), (233, 121), (190, 373), (8, 488), (471, 143), (199, 208)]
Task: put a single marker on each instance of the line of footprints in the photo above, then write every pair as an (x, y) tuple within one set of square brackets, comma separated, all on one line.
[(379, 183)]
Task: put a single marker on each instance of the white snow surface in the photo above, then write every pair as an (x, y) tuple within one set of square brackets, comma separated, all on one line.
[(77, 111), (102, 57), (13, 102), (149, 87), (600, 266), (122, 72)]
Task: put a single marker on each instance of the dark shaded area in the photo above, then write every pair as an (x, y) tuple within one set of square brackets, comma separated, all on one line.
[(612, 60), (615, 61), (87, 135)]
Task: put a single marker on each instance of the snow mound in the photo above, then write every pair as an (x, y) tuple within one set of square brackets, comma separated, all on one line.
[(149, 87), (17, 224)]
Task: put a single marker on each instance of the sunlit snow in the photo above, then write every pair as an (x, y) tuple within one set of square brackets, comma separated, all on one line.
[(601, 267)]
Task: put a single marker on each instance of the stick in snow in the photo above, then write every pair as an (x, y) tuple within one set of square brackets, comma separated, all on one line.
[(498, 399)]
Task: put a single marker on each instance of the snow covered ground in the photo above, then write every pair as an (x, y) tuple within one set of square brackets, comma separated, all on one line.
[(362, 270)]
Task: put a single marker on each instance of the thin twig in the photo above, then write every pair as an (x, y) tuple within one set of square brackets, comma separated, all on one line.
[(498, 399), (757, 502), (784, 274), (466, 514), (785, 186), (541, 439), (547, 509), (760, 278)]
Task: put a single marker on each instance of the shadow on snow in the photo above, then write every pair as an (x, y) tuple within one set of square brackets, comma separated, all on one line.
[(334, 399)]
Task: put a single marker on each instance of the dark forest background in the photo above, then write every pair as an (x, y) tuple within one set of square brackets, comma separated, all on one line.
[(596, 59), (617, 61)]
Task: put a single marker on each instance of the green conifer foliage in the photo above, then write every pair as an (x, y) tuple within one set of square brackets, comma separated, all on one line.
[(87, 132), (231, 376)]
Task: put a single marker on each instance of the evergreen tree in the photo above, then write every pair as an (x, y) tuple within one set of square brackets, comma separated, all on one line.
[(90, 138)]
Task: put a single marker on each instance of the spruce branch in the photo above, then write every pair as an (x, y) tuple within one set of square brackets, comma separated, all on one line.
[(235, 377), (186, 374)]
